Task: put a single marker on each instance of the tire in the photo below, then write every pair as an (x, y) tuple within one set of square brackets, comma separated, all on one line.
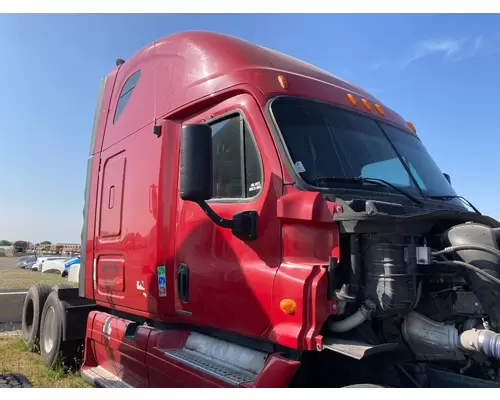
[(54, 351), (14, 381), (32, 312), (58, 286)]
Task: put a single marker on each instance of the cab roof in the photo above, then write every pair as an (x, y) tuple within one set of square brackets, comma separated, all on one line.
[(210, 54)]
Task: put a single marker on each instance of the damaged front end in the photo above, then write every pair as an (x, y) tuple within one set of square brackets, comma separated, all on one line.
[(421, 287)]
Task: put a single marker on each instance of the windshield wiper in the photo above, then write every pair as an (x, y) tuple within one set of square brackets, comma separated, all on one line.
[(360, 179), (450, 197)]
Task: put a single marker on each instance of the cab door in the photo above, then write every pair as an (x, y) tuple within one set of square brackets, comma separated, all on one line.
[(221, 280)]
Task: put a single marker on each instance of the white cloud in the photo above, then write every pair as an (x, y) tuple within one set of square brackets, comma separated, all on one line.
[(452, 49)]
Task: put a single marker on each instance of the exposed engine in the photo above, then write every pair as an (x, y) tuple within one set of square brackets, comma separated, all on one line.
[(436, 294)]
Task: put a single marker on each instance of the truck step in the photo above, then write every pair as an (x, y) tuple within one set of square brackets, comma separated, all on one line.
[(224, 371), (99, 377)]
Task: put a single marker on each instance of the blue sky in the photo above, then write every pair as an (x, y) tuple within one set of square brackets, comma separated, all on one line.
[(441, 72)]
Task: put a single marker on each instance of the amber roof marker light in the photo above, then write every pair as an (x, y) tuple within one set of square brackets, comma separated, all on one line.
[(367, 104), (352, 99), (283, 82), (379, 108), (412, 127)]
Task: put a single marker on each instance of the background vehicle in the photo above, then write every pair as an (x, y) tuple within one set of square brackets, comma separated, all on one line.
[(20, 246), (26, 262), (40, 261), (253, 221), (68, 263)]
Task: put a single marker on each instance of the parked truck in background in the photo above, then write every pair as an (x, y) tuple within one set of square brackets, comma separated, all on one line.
[(253, 221), (20, 246)]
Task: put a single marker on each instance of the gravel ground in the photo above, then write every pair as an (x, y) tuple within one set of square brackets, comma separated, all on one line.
[(8, 263), (10, 330)]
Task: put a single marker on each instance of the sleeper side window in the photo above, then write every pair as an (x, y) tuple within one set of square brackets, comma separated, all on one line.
[(236, 169), (125, 94)]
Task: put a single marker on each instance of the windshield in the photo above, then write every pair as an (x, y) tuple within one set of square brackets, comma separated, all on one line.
[(326, 141)]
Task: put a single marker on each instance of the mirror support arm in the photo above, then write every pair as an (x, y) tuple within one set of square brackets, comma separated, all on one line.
[(243, 224), (216, 218)]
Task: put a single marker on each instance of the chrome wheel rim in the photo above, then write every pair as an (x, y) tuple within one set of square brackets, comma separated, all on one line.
[(49, 329)]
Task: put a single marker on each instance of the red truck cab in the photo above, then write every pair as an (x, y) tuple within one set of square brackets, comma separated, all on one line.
[(141, 225), (246, 213)]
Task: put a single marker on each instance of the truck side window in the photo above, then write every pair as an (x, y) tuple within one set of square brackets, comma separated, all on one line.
[(236, 169), (125, 94)]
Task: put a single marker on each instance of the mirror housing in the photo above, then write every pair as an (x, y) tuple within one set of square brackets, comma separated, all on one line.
[(196, 180), (196, 160), (448, 177)]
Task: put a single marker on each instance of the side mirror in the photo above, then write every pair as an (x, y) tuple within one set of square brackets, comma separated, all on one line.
[(196, 176), (196, 180), (448, 178)]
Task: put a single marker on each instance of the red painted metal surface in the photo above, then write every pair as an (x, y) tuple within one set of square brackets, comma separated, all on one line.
[(231, 281), (196, 65), (136, 247), (107, 346), (278, 372), (143, 362), (310, 237), (111, 349)]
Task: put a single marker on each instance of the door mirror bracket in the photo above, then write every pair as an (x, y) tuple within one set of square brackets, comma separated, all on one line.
[(243, 224)]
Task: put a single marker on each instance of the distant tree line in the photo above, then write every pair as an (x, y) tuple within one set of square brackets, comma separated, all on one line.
[(9, 243)]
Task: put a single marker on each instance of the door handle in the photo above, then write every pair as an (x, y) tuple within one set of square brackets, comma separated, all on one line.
[(183, 282)]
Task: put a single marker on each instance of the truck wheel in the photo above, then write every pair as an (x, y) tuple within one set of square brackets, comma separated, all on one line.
[(32, 312), (14, 381), (58, 286), (52, 348)]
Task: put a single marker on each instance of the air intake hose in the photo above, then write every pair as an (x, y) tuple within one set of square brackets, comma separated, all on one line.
[(469, 240), (483, 341), (431, 340), (364, 313)]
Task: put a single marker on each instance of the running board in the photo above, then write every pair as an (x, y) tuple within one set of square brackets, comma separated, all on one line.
[(228, 362), (208, 365), (101, 378)]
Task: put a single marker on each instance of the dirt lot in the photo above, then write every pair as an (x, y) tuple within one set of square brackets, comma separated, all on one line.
[(15, 278)]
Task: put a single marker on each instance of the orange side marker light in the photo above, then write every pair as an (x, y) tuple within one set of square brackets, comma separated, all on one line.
[(288, 306)]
